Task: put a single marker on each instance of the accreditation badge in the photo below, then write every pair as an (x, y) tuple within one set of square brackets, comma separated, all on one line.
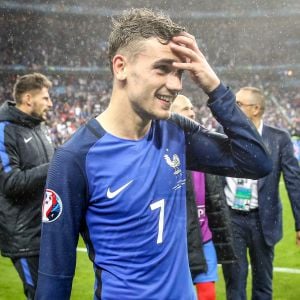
[(243, 195)]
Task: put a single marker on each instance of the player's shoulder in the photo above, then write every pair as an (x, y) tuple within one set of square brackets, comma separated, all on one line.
[(79, 144), (183, 123), (85, 136)]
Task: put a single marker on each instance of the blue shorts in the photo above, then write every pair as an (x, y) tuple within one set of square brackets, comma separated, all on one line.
[(212, 264)]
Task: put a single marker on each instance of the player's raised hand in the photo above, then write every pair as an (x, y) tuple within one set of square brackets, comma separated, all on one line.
[(185, 46)]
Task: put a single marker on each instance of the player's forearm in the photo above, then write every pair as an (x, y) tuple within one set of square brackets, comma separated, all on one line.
[(17, 183), (239, 153)]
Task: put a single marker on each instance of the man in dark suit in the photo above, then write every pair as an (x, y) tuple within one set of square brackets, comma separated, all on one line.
[(256, 209)]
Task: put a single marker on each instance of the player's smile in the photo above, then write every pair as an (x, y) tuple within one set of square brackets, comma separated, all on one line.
[(165, 100)]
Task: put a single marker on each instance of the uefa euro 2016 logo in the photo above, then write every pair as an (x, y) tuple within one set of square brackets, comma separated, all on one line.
[(52, 206)]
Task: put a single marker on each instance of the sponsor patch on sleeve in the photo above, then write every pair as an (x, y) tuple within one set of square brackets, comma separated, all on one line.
[(52, 206)]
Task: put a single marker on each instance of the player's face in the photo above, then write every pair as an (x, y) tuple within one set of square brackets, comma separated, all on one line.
[(152, 82), (40, 103)]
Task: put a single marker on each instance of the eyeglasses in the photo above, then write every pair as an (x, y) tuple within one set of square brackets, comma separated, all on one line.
[(240, 104)]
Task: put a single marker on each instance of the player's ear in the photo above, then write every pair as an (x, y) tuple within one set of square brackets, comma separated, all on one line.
[(119, 67), (26, 99)]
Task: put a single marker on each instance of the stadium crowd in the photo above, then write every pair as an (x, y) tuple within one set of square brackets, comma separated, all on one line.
[(76, 99), (39, 40), (32, 41)]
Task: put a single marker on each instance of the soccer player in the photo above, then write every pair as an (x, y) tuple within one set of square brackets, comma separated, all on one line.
[(120, 180)]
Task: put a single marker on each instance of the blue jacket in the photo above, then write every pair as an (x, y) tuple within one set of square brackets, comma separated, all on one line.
[(25, 152)]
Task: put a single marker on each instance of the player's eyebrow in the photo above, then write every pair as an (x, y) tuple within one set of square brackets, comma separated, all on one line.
[(166, 61)]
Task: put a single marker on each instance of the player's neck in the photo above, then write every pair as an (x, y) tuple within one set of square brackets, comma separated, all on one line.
[(123, 125)]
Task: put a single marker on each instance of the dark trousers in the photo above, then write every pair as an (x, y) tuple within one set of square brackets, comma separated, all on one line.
[(248, 235), (27, 268)]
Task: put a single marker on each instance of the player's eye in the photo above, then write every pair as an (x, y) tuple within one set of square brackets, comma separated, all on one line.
[(164, 68)]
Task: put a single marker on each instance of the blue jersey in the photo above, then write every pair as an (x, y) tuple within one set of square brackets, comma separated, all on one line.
[(127, 199)]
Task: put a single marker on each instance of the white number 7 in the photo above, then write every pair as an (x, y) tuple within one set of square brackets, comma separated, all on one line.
[(159, 204)]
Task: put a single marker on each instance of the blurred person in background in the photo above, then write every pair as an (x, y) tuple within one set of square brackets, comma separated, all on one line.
[(295, 135), (25, 152), (123, 172), (208, 223), (256, 208)]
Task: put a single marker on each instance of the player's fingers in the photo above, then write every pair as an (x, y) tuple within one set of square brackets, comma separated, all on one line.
[(187, 41), (184, 66), (188, 53), (184, 33)]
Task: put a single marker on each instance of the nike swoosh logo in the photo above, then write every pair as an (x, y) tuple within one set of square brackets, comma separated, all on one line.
[(27, 140), (111, 195)]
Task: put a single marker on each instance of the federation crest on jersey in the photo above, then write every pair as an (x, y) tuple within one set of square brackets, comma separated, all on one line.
[(174, 162), (52, 206)]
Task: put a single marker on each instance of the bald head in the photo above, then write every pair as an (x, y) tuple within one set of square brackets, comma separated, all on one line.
[(251, 100), (183, 106)]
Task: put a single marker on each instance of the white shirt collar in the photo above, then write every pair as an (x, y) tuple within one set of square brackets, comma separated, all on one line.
[(260, 127)]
